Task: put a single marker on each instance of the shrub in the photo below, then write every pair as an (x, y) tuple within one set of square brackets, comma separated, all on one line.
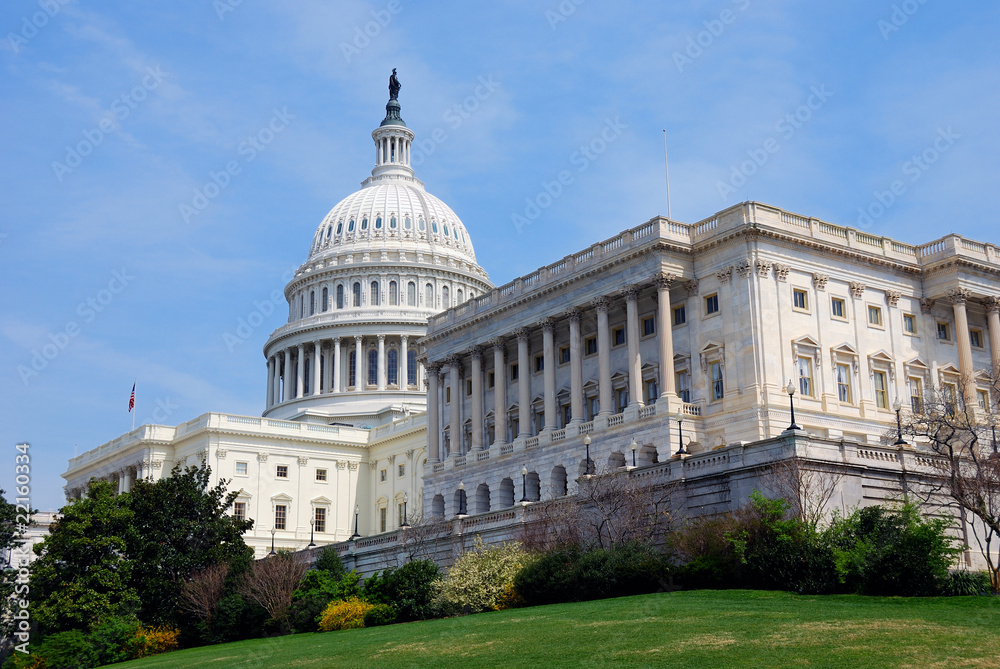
[(114, 640), (479, 578), (316, 590), (235, 619), (67, 650), (329, 561), (410, 589), (379, 614), (344, 615), (155, 640), (964, 583)]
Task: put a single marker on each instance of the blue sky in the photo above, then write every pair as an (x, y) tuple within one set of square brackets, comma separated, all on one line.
[(116, 115)]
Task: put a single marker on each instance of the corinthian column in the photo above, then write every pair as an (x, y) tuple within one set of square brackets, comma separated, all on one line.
[(433, 428), (455, 415), (499, 391), (665, 334), (403, 380), (631, 294), (359, 380), (337, 375), (992, 305), (523, 384), (300, 371), (314, 371), (477, 399), (380, 377), (286, 372), (549, 372), (575, 367), (959, 297), (270, 384), (602, 304)]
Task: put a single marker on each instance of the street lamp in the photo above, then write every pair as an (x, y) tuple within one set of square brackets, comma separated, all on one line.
[(462, 511), (272, 543), (897, 406), (405, 522), (357, 510), (312, 528), (790, 389), (680, 433), (524, 484), (634, 446), (586, 442)]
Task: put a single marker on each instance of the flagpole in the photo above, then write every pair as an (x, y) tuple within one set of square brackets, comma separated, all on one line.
[(132, 408), (666, 164)]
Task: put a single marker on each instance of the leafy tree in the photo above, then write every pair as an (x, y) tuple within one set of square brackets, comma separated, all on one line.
[(408, 589), (315, 591), (83, 575)]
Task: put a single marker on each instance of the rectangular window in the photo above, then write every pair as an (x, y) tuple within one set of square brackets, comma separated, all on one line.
[(800, 300), (976, 338), (281, 471), (648, 326), (916, 388), (874, 316), (943, 331), (680, 315), (805, 377), (718, 385), (983, 399), (618, 336), (567, 415), (949, 395), (401, 520), (241, 469), (280, 513), (595, 406), (320, 474), (712, 304), (564, 355), (539, 421), (401, 470), (838, 308), (468, 387), (622, 398), (447, 394), (320, 518), (515, 427), (539, 363), (513, 372), (909, 324), (491, 379), (590, 345), (240, 510), (683, 386), (382, 517), (881, 391), (844, 383), (652, 391), (382, 475)]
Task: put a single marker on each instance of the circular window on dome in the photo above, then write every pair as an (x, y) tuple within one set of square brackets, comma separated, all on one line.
[(364, 223), (434, 226), (392, 223), (350, 226), (340, 227), (378, 223), (446, 233), (422, 225), (407, 223)]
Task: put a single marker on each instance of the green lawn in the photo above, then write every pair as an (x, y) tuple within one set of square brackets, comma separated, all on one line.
[(736, 628)]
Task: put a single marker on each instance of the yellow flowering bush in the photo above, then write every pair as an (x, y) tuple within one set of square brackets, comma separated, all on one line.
[(344, 615), (481, 579), (155, 640)]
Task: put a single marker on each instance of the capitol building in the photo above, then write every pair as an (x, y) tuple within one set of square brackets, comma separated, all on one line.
[(405, 385)]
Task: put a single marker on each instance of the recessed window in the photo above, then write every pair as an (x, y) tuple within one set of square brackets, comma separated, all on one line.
[(447, 394), (513, 372), (648, 326), (491, 379), (909, 324), (983, 399), (881, 390), (281, 471), (320, 474), (407, 223), (563, 355), (590, 345), (539, 363), (350, 226), (392, 223), (874, 316), (378, 223), (976, 338), (844, 383), (838, 308), (364, 223), (621, 397), (805, 377), (382, 514), (618, 336), (382, 475), (680, 315), (319, 516), (241, 469), (422, 225), (683, 380), (712, 304), (340, 227), (718, 384), (401, 470), (916, 388), (434, 226), (800, 300), (652, 391), (468, 387), (240, 510), (943, 331), (280, 515)]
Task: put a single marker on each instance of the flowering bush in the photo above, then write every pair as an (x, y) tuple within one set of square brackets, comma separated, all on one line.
[(481, 579), (155, 640), (344, 615)]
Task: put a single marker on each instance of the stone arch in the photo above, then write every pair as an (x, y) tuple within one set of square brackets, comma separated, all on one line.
[(461, 502), (437, 506), (533, 487), (647, 455), (557, 481), (506, 497), (616, 460), (482, 501)]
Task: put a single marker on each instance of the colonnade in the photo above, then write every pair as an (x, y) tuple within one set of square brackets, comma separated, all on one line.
[(959, 298)]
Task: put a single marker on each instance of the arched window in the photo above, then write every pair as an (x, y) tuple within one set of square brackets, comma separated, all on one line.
[(302, 306), (429, 296), (422, 225), (372, 367), (446, 233), (352, 372), (312, 302), (407, 223), (340, 227), (411, 367), (393, 293), (378, 223), (434, 226), (326, 299), (392, 366), (411, 294), (445, 303), (392, 223), (459, 296), (357, 294), (373, 294), (340, 296), (364, 223), (350, 226), (329, 231)]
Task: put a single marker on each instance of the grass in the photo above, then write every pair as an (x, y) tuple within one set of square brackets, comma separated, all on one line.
[(734, 628)]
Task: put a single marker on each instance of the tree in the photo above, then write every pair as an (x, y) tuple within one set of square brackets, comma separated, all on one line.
[(963, 438), (271, 583), (201, 595), (808, 490), (11, 532)]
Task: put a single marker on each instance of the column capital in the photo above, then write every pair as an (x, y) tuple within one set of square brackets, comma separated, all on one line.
[(499, 344), (631, 293), (522, 334), (857, 289), (574, 314), (432, 367), (959, 295), (381, 338), (336, 341), (602, 304), (820, 280), (548, 324), (454, 361), (992, 304), (892, 297), (476, 352), (404, 338), (692, 286), (664, 280), (358, 338), (926, 304)]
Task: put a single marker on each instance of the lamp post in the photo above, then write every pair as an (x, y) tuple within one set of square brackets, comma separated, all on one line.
[(312, 528), (680, 433), (357, 510), (790, 389), (272, 542), (586, 442), (462, 511), (524, 484), (405, 522), (634, 446), (897, 406)]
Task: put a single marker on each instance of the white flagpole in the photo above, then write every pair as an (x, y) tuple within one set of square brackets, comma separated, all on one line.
[(666, 164)]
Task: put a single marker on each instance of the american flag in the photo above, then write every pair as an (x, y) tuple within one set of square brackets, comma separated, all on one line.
[(131, 400)]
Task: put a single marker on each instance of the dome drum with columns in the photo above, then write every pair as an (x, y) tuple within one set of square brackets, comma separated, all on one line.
[(383, 261)]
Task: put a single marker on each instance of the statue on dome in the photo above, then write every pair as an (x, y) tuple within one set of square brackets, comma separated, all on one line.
[(394, 86)]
